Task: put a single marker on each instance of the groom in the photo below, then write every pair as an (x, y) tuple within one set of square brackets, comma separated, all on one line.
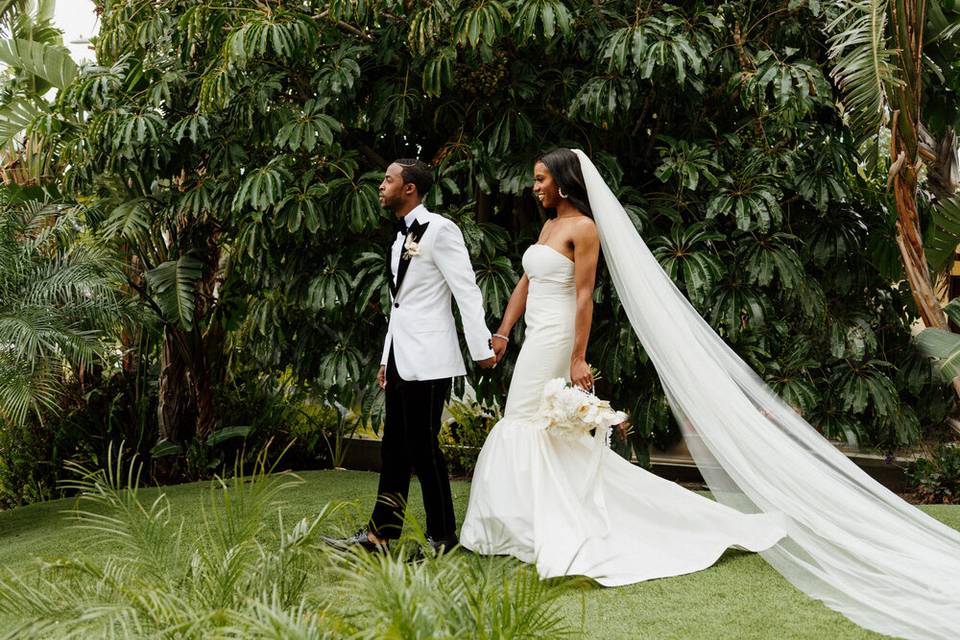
[(427, 262)]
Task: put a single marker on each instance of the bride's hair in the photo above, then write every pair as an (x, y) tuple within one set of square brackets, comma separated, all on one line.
[(564, 166)]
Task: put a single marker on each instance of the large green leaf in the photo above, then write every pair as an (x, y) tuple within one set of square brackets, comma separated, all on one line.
[(687, 162), (952, 309), (359, 200), (175, 285), (226, 433), (792, 88), (496, 279), (340, 366), (551, 14), (427, 23), (130, 219), (438, 72), (307, 128), (371, 281), (767, 256), (690, 259), (263, 187), (601, 98), (331, 288), (14, 118), (485, 22), (865, 385), (50, 62), (738, 306), (280, 33), (944, 348), (944, 236)]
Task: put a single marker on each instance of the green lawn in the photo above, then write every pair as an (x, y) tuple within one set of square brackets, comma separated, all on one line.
[(740, 597)]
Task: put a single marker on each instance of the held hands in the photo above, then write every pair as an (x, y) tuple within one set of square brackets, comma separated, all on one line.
[(580, 374), (499, 347)]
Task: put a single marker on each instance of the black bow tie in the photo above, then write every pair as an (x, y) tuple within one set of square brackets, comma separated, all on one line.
[(400, 226)]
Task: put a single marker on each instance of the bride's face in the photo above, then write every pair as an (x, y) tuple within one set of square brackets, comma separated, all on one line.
[(544, 188)]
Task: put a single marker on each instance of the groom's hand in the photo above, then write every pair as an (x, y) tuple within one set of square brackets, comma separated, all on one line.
[(487, 363), (382, 377)]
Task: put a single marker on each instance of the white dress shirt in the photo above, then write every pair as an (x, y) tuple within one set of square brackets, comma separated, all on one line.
[(397, 247)]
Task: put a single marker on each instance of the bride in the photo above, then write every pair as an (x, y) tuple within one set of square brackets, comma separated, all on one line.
[(572, 508), (527, 498)]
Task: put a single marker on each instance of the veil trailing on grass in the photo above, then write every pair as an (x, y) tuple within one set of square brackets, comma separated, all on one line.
[(851, 543)]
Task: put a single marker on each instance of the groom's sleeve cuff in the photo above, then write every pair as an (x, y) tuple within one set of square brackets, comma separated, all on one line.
[(489, 354)]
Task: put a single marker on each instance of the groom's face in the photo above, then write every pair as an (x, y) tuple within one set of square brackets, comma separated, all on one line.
[(394, 192)]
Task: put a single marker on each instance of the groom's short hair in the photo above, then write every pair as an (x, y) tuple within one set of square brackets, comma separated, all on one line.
[(417, 172)]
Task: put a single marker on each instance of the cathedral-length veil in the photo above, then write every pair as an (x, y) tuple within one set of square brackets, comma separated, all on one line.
[(851, 543)]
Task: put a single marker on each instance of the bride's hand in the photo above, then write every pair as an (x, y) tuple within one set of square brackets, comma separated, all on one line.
[(580, 374)]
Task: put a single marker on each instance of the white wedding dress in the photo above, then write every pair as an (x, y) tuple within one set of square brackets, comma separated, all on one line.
[(573, 506), (576, 507)]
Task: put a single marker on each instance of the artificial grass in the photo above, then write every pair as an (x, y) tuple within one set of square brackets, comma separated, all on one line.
[(739, 597)]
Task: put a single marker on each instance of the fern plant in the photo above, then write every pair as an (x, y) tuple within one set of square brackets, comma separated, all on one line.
[(242, 571)]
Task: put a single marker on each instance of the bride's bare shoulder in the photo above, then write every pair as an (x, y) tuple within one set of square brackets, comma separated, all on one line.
[(585, 227)]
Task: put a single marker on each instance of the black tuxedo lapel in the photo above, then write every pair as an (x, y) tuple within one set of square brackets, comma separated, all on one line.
[(414, 235)]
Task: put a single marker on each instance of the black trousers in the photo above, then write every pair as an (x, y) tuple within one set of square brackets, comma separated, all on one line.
[(411, 426)]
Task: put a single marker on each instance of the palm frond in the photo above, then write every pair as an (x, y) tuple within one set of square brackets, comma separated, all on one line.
[(9, 9), (23, 391), (863, 64), (58, 295)]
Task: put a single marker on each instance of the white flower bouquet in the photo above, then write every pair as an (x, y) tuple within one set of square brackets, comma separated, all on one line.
[(571, 412)]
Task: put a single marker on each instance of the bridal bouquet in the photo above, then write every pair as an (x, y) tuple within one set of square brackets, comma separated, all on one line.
[(571, 412)]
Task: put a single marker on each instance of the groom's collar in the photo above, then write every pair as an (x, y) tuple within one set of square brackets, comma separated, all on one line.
[(413, 214)]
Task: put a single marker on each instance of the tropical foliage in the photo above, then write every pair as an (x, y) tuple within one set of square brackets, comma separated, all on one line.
[(248, 574), (226, 155), (885, 54)]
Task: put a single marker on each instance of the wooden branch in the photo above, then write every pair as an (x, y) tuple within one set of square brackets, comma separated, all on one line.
[(345, 26)]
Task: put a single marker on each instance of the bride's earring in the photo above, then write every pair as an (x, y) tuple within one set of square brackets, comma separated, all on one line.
[(562, 194)]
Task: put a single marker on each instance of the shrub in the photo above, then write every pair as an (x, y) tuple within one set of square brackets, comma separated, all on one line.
[(463, 434), (937, 479)]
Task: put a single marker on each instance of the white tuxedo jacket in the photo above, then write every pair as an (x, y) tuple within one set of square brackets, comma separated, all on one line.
[(421, 327)]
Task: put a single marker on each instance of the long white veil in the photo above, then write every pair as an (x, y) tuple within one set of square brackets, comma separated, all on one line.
[(851, 543)]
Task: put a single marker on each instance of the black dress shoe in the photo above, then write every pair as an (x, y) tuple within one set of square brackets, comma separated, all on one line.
[(441, 546), (359, 540), (438, 547)]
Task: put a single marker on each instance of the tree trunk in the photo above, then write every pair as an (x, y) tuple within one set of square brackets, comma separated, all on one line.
[(907, 21), (203, 397), (175, 408), (484, 205), (911, 250), (190, 371), (208, 369)]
